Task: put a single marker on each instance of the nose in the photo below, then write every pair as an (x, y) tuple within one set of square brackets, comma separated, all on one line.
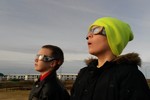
[(36, 59), (90, 35)]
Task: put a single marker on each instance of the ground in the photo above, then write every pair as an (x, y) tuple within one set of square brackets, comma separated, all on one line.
[(20, 90), (14, 95)]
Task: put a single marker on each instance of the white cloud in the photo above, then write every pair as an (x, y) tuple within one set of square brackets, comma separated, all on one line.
[(26, 25)]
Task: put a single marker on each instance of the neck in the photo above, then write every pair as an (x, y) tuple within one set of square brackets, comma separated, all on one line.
[(43, 73), (105, 57)]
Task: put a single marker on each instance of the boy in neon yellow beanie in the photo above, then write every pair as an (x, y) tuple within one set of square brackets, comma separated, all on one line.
[(118, 33), (112, 76)]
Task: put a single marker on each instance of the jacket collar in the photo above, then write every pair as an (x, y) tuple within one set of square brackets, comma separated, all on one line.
[(126, 58), (42, 77), (52, 76), (94, 63), (129, 58)]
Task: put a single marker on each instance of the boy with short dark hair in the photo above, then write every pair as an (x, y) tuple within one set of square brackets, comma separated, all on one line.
[(48, 87)]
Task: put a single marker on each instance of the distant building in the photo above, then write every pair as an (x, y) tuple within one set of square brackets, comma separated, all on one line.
[(1, 76), (21, 76), (34, 77), (14, 76), (67, 76)]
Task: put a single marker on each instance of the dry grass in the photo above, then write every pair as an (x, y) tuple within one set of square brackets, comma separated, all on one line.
[(23, 94), (10, 90), (14, 95)]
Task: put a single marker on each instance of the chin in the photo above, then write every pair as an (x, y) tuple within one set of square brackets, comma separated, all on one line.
[(37, 69), (91, 52)]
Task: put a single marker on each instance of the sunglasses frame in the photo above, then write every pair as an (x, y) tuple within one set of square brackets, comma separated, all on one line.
[(99, 30), (44, 58)]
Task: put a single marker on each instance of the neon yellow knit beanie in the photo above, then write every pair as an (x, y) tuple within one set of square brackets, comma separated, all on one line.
[(118, 33)]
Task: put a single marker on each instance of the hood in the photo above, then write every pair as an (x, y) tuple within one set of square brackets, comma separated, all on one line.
[(126, 58)]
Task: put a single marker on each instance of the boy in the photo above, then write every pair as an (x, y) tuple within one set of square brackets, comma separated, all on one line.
[(111, 76), (48, 87)]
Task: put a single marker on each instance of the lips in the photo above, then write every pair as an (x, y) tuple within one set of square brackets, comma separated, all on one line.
[(89, 43)]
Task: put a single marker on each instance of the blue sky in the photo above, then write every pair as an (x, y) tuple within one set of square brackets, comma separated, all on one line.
[(26, 25)]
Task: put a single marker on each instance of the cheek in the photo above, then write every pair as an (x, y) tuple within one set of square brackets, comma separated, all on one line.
[(98, 46), (41, 66), (95, 47)]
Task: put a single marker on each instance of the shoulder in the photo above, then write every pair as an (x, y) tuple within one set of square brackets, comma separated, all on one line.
[(90, 63), (55, 88), (53, 84), (128, 63), (50, 84), (81, 72), (129, 59), (126, 69)]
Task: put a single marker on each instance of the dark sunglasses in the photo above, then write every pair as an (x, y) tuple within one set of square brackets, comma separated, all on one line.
[(97, 30), (44, 58)]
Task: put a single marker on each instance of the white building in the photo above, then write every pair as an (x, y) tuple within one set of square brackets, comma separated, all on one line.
[(67, 76), (14, 76), (34, 77)]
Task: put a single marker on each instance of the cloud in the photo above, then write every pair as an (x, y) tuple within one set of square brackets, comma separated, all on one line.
[(26, 25)]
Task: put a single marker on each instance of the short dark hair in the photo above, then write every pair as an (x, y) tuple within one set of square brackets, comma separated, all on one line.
[(57, 53)]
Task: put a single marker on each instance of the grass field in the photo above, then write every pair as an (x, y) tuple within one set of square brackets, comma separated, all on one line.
[(17, 90), (14, 95), (7, 93)]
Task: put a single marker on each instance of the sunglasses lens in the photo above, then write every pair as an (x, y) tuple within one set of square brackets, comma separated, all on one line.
[(96, 30), (44, 58), (41, 57)]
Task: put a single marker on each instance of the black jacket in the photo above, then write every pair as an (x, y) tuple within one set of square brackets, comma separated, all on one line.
[(116, 80), (49, 89)]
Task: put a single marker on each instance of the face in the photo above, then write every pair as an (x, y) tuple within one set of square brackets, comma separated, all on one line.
[(41, 65), (97, 41)]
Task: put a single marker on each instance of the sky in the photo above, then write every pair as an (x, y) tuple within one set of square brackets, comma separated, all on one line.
[(26, 25)]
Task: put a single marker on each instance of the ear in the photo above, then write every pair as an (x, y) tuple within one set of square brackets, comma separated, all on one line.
[(59, 62), (54, 63)]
